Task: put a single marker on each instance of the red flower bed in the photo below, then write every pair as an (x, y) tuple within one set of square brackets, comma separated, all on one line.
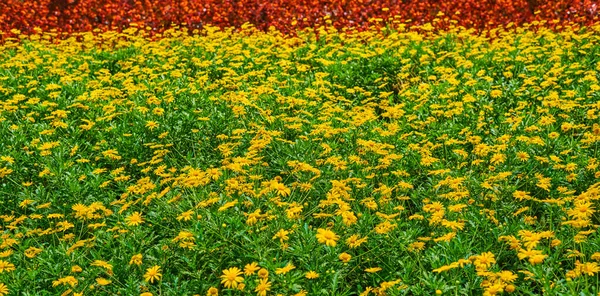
[(285, 15)]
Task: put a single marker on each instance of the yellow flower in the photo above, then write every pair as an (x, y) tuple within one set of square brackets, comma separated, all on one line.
[(521, 195), (416, 246), (3, 289), (152, 274), (31, 252), (311, 275), (134, 219), (373, 269), (483, 261), (185, 216), (68, 280), (588, 268), (102, 264), (446, 267), (285, 269), (251, 268), (263, 287), (282, 189), (158, 111), (102, 281), (152, 125), (136, 259), (582, 210), (263, 273), (212, 291), (507, 276), (327, 237), (231, 277), (509, 288), (282, 235), (241, 286), (495, 93), (6, 266), (345, 257), (537, 259), (26, 202), (355, 241)]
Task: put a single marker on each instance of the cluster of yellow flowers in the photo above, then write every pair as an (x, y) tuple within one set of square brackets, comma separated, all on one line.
[(381, 162)]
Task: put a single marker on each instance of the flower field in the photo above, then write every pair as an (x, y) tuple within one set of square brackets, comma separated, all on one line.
[(285, 15), (389, 158)]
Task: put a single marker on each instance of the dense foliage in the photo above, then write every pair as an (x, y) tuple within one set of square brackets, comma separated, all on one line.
[(303, 147), (384, 162)]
